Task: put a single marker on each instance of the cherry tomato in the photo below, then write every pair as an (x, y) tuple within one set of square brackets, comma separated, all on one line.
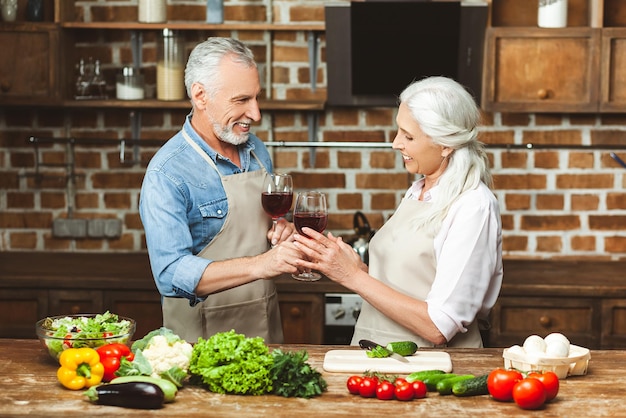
[(529, 393), (367, 387), (399, 380), (419, 389), (550, 381), (500, 383), (404, 391), (385, 390), (353, 384)]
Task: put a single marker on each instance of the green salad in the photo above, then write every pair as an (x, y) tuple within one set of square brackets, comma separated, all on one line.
[(63, 332)]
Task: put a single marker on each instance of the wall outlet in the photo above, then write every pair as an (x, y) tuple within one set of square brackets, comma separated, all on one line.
[(104, 228), (69, 228)]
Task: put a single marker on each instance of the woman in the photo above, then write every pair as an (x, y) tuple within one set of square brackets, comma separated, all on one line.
[(436, 266)]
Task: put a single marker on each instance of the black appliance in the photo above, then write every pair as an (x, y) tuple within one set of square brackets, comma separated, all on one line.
[(341, 313)]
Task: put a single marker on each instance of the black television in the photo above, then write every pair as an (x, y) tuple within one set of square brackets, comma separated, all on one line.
[(375, 48)]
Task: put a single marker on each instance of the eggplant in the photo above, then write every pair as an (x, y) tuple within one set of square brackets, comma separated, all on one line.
[(137, 395)]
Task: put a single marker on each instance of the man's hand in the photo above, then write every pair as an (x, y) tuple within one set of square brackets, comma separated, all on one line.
[(283, 232)]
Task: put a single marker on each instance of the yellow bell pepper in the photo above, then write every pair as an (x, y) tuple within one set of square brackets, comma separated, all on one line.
[(80, 368)]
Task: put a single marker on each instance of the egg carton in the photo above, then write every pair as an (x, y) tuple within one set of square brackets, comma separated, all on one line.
[(574, 365)]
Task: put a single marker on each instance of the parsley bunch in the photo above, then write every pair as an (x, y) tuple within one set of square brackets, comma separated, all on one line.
[(292, 376)]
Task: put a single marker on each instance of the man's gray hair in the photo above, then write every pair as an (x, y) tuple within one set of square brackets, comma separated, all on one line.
[(204, 60)]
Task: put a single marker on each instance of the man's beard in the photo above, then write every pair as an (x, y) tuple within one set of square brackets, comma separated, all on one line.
[(226, 134)]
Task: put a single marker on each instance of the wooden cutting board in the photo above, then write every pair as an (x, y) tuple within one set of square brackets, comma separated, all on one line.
[(356, 361)]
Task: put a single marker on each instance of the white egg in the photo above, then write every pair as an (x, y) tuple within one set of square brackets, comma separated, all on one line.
[(557, 348), (556, 336), (516, 349), (534, 344)]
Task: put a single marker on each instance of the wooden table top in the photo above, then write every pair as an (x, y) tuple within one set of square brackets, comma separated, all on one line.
[(28, 387)]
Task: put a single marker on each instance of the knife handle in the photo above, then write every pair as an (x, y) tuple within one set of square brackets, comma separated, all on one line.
[(367, 344)]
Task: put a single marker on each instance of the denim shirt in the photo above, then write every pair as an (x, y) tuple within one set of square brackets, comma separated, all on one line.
[(183, 206)]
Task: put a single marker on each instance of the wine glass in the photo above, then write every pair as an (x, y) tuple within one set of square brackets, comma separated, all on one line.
[(277, 195), (310, 211)]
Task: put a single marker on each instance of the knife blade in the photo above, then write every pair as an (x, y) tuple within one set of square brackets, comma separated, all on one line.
[(369, 345)]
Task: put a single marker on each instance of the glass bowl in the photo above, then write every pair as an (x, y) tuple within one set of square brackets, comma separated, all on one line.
[(58, 333)]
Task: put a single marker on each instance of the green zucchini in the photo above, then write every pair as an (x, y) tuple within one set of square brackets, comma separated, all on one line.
[(432, 380), (421, 375), (472, 387), (444, 387)]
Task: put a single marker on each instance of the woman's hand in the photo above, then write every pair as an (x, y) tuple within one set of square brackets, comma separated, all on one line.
[(328, 255)]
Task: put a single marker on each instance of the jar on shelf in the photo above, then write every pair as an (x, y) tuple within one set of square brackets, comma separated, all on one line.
[(130, 85), (552, 14), (171, 66), (152, 11)]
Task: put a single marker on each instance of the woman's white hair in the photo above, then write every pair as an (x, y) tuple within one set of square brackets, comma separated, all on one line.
[(448, 114)]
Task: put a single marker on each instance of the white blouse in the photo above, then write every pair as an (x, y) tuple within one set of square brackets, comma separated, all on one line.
[(468, 251)]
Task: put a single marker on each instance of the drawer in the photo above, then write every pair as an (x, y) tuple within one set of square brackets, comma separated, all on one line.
[(614, 323), (514, 319)]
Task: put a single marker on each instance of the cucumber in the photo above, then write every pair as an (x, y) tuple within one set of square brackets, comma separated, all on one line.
[(421, 375), (404, 348), (169, 388), (444, 387), (472, 387), (432, 380)]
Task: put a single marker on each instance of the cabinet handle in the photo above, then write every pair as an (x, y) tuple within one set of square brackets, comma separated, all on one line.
[(545, 321), (295, 312), (75, 309), (543, 94)]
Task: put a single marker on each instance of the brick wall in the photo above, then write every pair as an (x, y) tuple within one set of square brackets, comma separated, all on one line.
[(556, 203)]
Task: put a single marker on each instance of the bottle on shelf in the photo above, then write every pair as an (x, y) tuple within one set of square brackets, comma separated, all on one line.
[(171, 66)]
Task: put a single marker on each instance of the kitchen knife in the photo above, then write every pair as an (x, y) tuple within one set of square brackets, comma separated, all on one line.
[(369, 345)]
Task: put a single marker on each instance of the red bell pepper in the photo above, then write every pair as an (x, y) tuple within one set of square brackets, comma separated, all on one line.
[(111, 357)]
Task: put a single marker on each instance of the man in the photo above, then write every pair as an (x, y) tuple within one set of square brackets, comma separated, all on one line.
[(206, 231)]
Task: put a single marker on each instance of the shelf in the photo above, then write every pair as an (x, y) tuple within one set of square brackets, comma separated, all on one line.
[(307, 105), (186, 25)]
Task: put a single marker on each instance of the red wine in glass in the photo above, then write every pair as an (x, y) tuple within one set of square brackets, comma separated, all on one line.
[(277, 195), (276, 204), (310, 211), (313, 220)]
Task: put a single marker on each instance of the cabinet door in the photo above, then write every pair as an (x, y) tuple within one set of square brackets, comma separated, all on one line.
[(73, 302), (614, 323), (142, 306), (303, 317), (34, 74), (515, 318), (20, 309), (613, 70), (542, 70)]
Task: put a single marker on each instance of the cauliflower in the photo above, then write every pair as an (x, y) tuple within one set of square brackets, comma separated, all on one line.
[(164, 355), (161, 353)]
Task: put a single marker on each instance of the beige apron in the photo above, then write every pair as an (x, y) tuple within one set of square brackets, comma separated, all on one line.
[(404, 259), (252, 308)]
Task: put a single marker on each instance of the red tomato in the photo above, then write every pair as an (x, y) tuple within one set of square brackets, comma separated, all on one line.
[(399, 380), (404, 391), (353, 384), (385, 390), (367, 387), (550, 381), (500, 383), (419, 389), (529, 393)]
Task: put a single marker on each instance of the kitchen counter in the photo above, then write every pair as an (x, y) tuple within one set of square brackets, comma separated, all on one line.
[(28, 387)]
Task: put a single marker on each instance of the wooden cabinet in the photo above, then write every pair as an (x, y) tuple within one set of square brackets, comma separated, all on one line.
[(586, 301), (576, 69), (35, 75), (39, 284), (542, 70), (302, 315), (514, 319)]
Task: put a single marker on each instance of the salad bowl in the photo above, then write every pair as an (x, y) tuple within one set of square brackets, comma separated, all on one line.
[(58, 333)]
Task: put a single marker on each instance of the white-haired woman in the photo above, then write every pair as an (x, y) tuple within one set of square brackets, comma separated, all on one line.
[(435, 267)]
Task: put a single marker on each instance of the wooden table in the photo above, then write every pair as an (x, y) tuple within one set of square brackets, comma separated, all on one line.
[(28, 387)]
